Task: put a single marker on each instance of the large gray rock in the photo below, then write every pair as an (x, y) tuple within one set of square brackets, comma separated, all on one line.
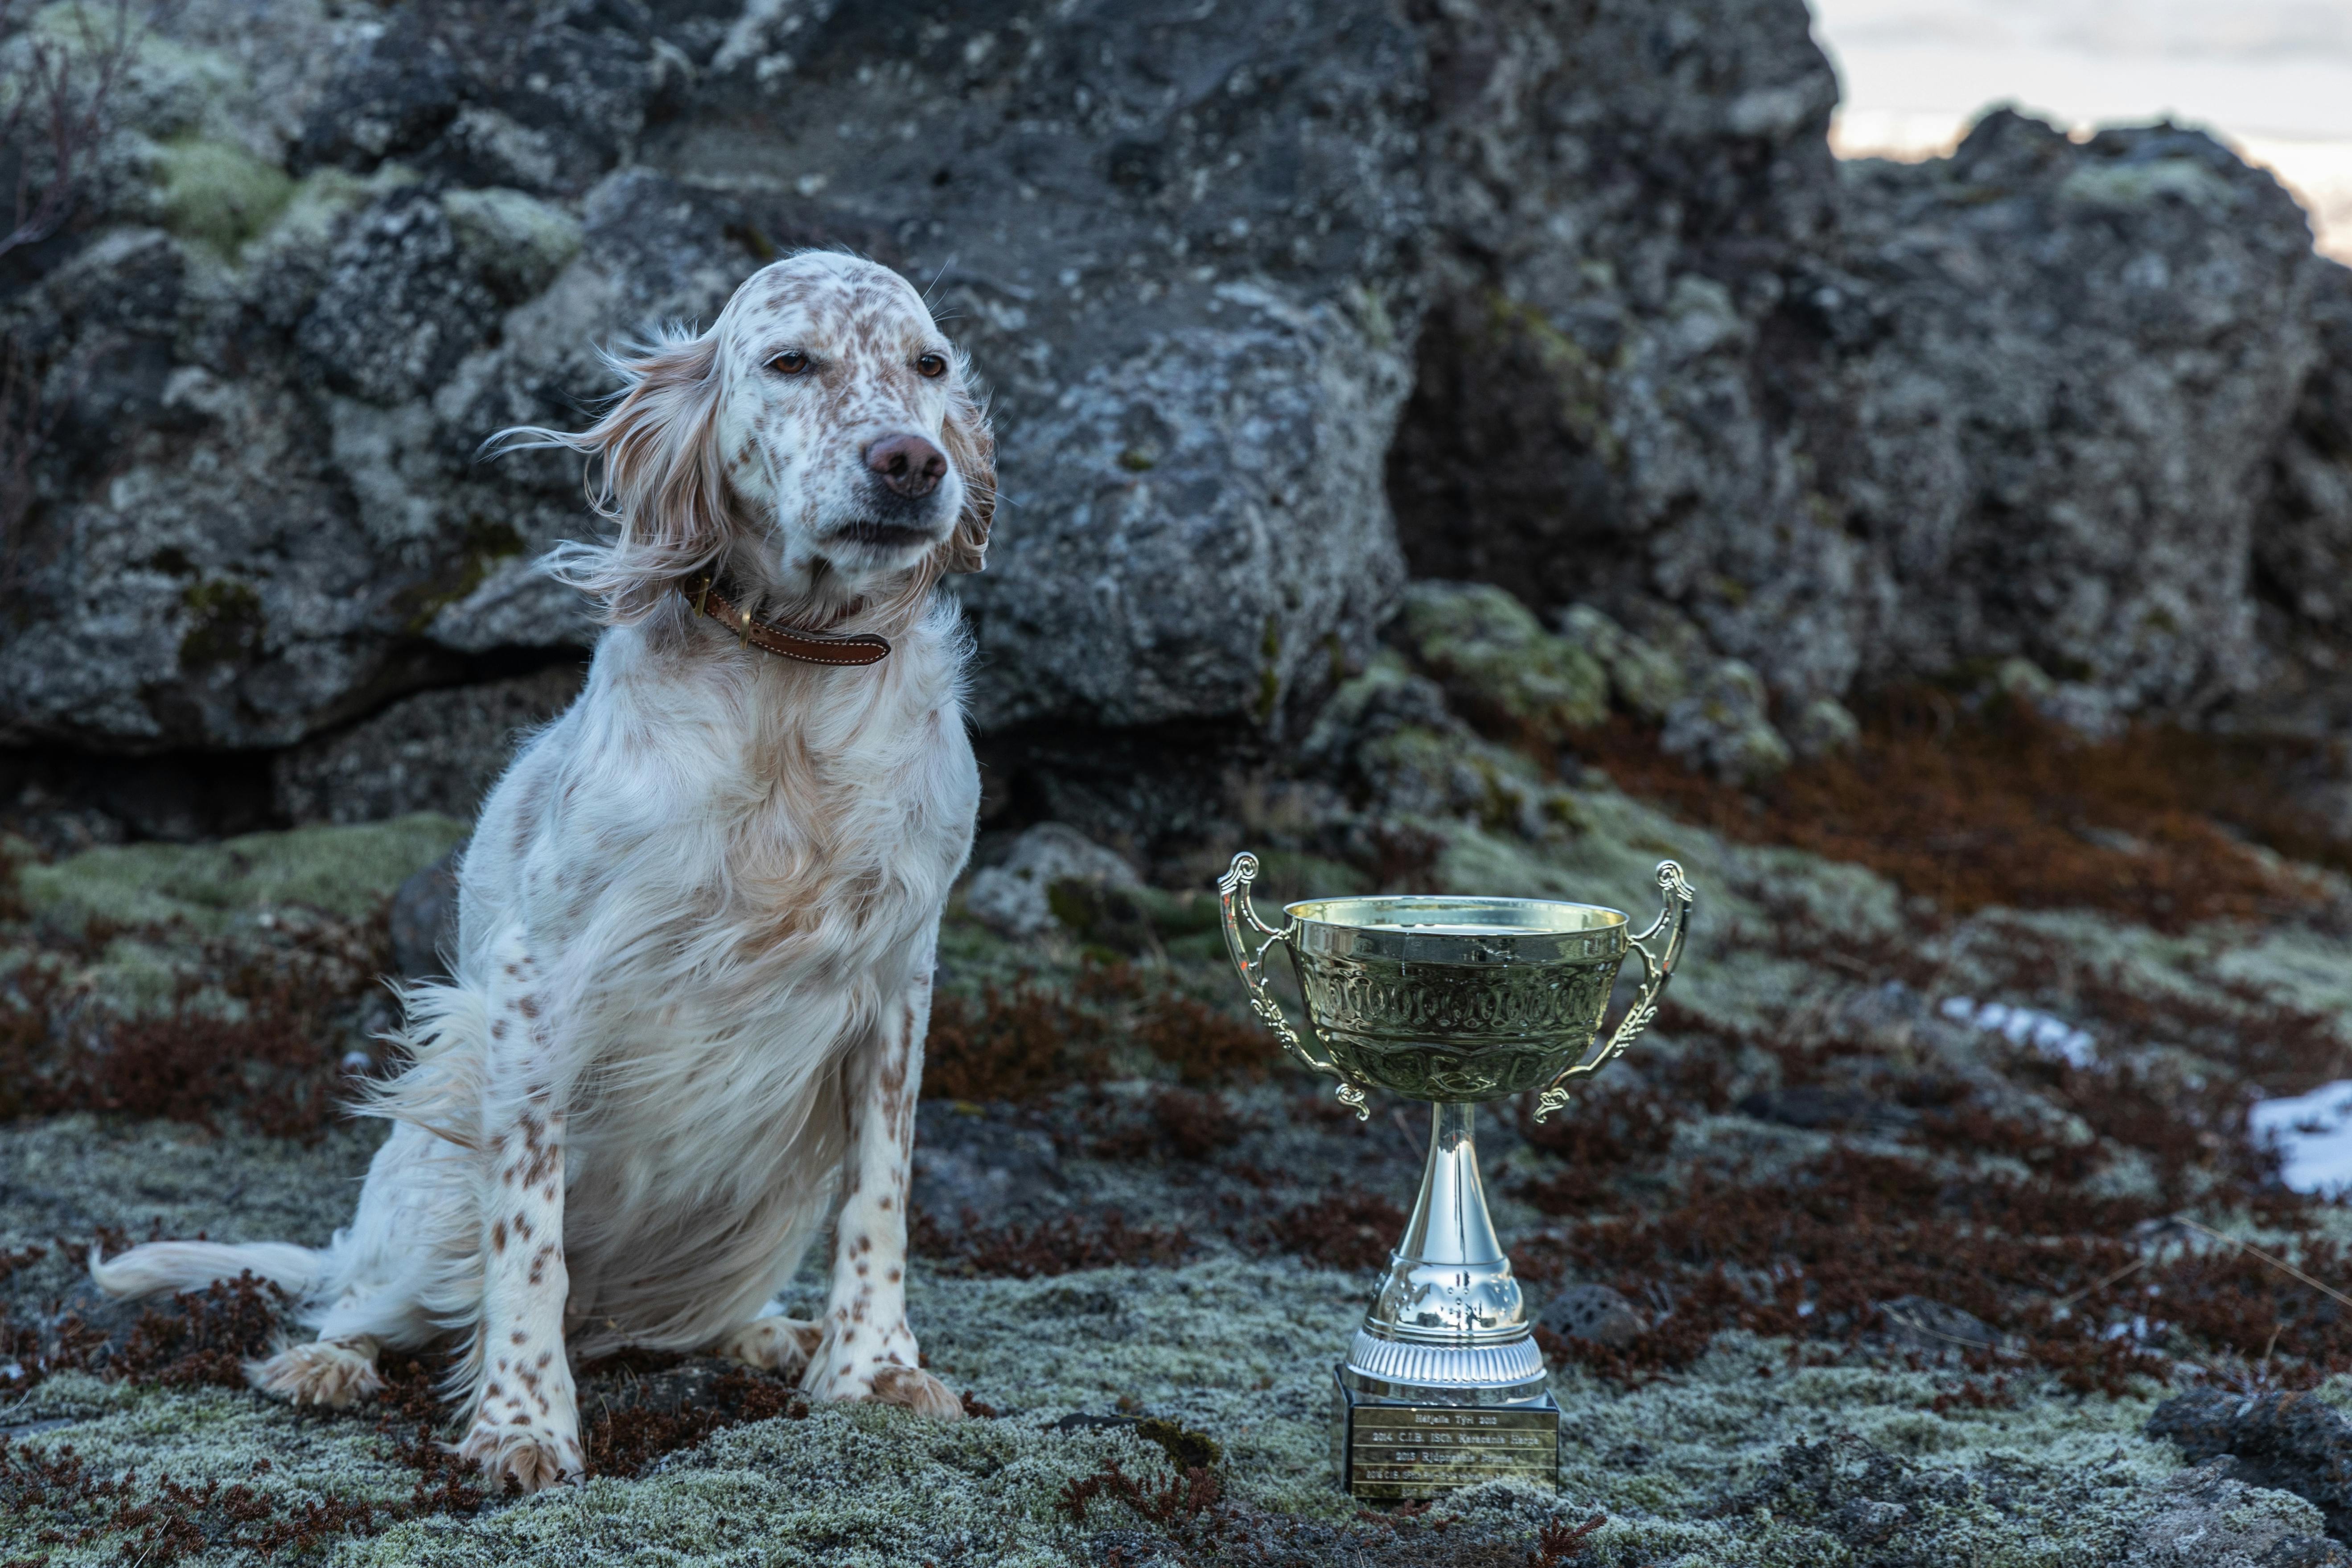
[(2303, 561), (1179, 248), (1865, 422), (1015, 896), (1190, 284), (1579, 289), (2288, 1441), (1631, 184), (2211, 1517), (436, 751), (2055, 447)]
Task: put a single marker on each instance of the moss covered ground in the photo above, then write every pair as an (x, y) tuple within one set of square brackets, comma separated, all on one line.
[(1143, 1239)]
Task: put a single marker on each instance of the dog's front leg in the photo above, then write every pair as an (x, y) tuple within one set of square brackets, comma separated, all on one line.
[(868, 1350), (525, 1424)]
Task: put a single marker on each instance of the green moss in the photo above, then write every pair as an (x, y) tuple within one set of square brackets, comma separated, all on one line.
[(2117, 185), (1644, 678), (1379, 326), (164, 87), (1185, 1448), (344, 871), (1497, 659), (307, 221), (218, 193), (520, 242)]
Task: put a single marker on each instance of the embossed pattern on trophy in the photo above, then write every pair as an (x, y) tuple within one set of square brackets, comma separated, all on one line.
[(1453, 1001)]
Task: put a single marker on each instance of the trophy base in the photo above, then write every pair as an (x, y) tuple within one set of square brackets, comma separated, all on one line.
[(1393, 1447)]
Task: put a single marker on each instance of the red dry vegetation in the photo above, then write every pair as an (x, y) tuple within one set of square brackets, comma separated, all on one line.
[(626, 1440), (197, 1337), (1560, 1542), (1048, 1248), (1177, 1125), (2003, 806), (1340, 1230), (1204, 1046), (252, 1036), (1184, 1497), (1028, 1041), (1011, 1046), (2070, 1278)]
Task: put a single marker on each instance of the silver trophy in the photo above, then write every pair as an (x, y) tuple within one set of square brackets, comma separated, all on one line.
[(1453, 1001)]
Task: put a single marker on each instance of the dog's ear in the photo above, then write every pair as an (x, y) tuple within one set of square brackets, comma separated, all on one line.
[(971, 447), (661, 483)]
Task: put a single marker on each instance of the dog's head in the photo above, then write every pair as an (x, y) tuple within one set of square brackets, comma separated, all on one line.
[(821, 439)]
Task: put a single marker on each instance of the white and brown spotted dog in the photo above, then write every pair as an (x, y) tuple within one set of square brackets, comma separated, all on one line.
[(697, 917)]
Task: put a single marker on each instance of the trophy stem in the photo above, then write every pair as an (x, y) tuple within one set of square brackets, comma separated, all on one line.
[(1449, 1223), (1444, 1387), (1448, 1320)]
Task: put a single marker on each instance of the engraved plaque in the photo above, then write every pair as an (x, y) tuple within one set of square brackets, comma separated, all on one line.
[(1393, 1452)]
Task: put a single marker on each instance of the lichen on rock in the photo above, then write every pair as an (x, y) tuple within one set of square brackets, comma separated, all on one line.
[(1494, 655)]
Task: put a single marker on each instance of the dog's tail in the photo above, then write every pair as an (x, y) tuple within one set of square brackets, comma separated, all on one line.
[(187, 1265)]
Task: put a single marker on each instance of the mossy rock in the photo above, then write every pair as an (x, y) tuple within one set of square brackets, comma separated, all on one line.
[(1129, 920), (518, 240), (1646, 680), (218, 193), (1496, 659), (343, 871)]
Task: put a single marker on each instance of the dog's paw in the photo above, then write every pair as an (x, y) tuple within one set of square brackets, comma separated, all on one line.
[(912, 1388), (526, 1427), (781, 1345), (326, 1372), (885, 1372), (533, 1456)]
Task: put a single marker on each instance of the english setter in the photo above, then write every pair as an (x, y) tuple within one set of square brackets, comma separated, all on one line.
[(697, 917)]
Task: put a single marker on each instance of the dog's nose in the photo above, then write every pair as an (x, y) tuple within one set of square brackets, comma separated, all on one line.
[(907, 464)]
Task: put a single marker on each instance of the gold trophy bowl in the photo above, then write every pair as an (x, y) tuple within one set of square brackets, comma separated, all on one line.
[(1455, 1001)]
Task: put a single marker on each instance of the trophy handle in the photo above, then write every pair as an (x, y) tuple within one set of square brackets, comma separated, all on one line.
[(1232, 895), (1672, 923)]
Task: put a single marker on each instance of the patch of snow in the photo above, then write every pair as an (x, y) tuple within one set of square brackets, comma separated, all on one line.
[(2054, 1037), (2313, 1132)]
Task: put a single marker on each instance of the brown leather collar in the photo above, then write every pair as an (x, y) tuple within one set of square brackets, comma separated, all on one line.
[(784, 642)]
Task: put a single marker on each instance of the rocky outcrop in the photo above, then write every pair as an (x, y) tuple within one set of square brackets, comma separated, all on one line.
[(436, 751), (1578, 292), (1013, 897), (1889, 420), (1195, 368), (2303, 545), (2056, 449)]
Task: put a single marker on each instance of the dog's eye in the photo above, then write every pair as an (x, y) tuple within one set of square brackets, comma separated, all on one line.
[(933, 365), (792, 361)]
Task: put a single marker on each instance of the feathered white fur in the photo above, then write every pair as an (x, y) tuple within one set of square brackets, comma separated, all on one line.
[(697, 916)]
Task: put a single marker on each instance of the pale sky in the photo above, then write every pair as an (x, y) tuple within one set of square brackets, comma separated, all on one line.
[(2273, 78)]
